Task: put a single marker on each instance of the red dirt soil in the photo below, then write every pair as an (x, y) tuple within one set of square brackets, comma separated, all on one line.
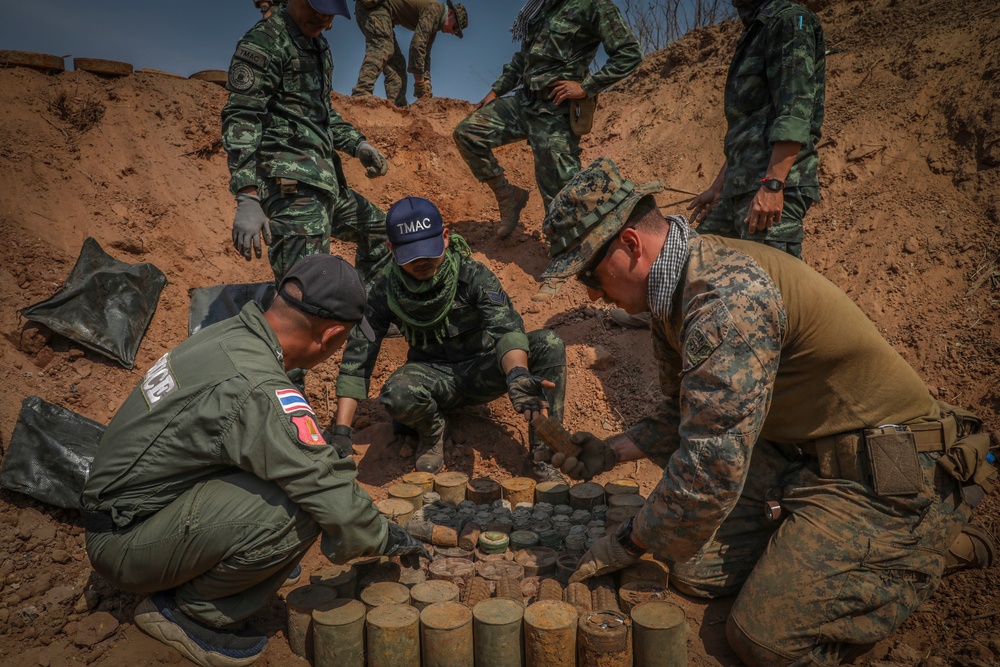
[(908, 226)]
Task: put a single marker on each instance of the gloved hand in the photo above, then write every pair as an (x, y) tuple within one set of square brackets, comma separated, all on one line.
[(604, 556), (595, 457), (248, 225), (374, 162), (401, 543), (525, 391), (342, 438)]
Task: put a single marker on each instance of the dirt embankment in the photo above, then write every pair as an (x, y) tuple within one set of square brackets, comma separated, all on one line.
[(910, 166)]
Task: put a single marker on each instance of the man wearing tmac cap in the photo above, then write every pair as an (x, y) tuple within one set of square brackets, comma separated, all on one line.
[(806, 468), (214, 479), (467, 342)]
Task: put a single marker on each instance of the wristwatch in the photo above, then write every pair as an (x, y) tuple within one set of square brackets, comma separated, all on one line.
[(773, 184), (624, 537)]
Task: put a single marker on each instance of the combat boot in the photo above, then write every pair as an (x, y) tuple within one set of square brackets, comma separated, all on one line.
[(511, 200), (973, 549), (430, 449), (549, 288)]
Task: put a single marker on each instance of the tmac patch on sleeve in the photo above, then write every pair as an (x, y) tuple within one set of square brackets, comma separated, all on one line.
[(307, 430), (251, 55)]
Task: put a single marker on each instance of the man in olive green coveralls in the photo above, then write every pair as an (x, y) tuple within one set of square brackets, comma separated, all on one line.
[(806, 468), (426, 18), (214, 479), (467, 342), (559, 39), (282, 136)]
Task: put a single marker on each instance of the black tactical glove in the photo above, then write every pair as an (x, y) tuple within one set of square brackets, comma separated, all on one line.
[(595, 457), (525, 391), (342, 439), (373, 160), (401, 543), (248, 225)]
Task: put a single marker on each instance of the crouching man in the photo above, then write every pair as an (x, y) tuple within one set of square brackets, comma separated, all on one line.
[(214, 479)]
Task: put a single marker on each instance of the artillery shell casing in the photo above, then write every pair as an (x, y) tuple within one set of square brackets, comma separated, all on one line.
[(339, 634), (497, 627), (393, 636), (446, 635), (604, 640), (660, 635), (550, 629)]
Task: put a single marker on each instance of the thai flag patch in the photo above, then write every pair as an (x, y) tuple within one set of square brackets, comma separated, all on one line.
[(292, 401)]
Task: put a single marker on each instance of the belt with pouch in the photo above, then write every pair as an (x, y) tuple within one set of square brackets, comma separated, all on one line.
[(96, 521)]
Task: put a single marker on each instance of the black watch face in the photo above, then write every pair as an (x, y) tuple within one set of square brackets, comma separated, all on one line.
[(773, 184)]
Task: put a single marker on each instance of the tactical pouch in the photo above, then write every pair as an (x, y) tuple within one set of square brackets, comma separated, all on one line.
[(966, 462), (288, 186), (840, 457), (892, 461), (581, 115)]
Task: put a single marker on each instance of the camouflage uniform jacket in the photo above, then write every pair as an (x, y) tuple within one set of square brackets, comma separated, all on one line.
[(482, 321), (425, 18), (279, 121), (562, 42), (775, 92), (221, 401), (757, 344)]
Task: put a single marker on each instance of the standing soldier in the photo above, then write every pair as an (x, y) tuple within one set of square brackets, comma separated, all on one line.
[(425, 18), (282, 135), (774, 109), (559, 40)]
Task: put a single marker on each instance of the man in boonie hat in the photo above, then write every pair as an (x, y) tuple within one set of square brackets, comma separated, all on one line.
[(214, 478), (803, 459), (467, 342)]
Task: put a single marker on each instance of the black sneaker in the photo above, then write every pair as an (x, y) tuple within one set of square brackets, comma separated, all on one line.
[(159, 617), (542, 471)]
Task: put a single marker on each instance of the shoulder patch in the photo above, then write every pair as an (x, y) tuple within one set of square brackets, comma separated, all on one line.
[(159, 381), (252, 55), (241, 76), (292, 401), (498, 297), (307, 430)]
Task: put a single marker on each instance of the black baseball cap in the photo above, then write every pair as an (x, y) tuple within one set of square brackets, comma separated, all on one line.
[(331, 289), (415, 230)]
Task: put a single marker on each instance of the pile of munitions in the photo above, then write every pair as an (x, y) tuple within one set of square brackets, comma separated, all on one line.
[(495, 592)]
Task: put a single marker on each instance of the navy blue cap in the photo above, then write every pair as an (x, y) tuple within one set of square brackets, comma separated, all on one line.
[(331, 7), (415, 230)]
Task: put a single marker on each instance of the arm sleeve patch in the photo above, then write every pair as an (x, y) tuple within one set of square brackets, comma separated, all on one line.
[(307, 430), (241, 76), (498, 297), (251, 55)]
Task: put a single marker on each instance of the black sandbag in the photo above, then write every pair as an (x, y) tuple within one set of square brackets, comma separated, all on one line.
[(219, 302), (50, 453), (105, 305)]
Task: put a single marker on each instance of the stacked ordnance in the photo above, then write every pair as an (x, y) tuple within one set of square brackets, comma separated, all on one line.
[(495, 592)]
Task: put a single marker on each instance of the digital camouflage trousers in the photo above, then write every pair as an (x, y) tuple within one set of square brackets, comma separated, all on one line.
[(727, 219), (516, 118), (837, 572), (382, 54), (302, 224), (418, 394)]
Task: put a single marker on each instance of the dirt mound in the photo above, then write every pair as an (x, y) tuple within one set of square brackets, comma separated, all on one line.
[(910, 166)]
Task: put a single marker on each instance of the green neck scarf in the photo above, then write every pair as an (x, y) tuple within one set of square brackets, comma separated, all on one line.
[(423, 305)]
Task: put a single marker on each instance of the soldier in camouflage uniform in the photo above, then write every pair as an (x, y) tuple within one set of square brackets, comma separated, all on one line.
[(559, 39), (774, 109), (282, 135), (467, 342), (213, 479), (806, 467), (426, 18), (268, 7)]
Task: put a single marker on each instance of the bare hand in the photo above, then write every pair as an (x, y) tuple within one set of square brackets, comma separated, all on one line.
[(765, 210), (566, 90), (703, 204), (486, 100)]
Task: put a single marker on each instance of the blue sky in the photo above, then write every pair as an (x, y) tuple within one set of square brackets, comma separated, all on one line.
[(185, 36)]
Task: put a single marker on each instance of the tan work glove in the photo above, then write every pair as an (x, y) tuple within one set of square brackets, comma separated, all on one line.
[(604, 556), (595, 457)]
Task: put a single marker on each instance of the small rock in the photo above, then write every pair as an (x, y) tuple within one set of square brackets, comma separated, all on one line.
[(911, 245), (82, 368), (60, 556), (59, 595), (405, 451), (119, 210), (95, 628), (597, 358), (74, 354), (34, 337), (44, 357)]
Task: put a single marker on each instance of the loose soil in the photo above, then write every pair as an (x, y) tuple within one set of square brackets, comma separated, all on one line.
[(908, 227)]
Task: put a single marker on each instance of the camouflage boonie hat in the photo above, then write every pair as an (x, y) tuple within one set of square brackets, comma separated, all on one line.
[(587, 213), (461, 17)]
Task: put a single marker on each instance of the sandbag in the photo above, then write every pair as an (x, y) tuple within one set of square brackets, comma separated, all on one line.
[(50, 453), (105, 305), (219, 302)]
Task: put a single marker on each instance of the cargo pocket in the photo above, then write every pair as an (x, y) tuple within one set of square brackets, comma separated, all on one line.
[(895, 579)]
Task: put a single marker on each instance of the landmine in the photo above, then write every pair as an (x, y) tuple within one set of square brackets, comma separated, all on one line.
[(301, 602), (446, 635), (339, 634), (451, 486), (550, 629), (393, 636), (498, 636), (411, 493), (384, 592)]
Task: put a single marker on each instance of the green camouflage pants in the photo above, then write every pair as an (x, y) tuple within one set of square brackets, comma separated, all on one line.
[(841, 568), (226, 546), (418, 394), (727, 219), (516, 118), (382, 54), (302, 224)]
